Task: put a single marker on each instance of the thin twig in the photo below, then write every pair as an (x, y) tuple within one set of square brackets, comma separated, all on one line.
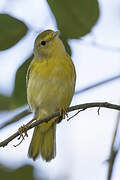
[(94, 85), (16, 118), (98, 111), (75, 114), (23, 138), (73, 108), (113, 152)]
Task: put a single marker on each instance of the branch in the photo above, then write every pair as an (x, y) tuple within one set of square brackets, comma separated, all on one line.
[(27, 111), (73, 108), (114, 151), (98, 84), (16, 118)]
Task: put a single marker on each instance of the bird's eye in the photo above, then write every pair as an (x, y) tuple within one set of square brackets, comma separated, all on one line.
[(43, 43)]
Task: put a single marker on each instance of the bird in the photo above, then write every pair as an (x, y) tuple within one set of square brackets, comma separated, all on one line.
[(50, 82)]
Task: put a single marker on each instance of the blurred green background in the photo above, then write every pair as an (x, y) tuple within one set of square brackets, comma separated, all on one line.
[(20, 22)]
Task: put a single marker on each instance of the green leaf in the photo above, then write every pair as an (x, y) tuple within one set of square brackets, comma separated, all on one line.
[(18, 97), (19, 94), (5, 102), (23, 173), (11, 31), (67, 47), (74, 18)]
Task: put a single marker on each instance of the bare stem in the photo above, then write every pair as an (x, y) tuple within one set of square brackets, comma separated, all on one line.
[(73, 108)]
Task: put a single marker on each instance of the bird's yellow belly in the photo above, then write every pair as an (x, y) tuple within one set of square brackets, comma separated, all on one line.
[(50, 88)]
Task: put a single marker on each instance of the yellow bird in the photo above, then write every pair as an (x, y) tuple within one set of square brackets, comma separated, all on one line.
[(50, 87)]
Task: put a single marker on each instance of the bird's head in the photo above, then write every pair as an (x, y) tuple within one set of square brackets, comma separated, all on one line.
[(48, 44)]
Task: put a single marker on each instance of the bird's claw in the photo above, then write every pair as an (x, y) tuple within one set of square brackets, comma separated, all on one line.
[(23, 129), (63, 114)]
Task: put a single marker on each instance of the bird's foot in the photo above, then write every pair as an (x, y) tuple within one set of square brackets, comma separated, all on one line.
[(23, 129), (63, 114)]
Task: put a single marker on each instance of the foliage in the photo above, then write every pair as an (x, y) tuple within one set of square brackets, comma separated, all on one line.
[(24, 172), (11, 31)]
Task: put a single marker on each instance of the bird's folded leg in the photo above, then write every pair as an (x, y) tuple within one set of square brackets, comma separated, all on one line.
[(63, 114), (24, 128)]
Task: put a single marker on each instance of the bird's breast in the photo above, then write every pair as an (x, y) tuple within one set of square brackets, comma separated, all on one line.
[(51, 84)]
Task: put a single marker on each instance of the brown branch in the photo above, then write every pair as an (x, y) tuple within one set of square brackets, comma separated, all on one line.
[(16, 118), (73, 108), (114, 151), (97, 84), (82, 90)]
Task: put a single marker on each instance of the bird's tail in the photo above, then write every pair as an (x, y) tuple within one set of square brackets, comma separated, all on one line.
[(43, 142)]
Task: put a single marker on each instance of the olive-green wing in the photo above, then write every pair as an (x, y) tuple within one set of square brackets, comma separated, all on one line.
[(28, 75)]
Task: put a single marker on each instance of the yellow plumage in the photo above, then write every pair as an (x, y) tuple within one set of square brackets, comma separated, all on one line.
[(50, 87)]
